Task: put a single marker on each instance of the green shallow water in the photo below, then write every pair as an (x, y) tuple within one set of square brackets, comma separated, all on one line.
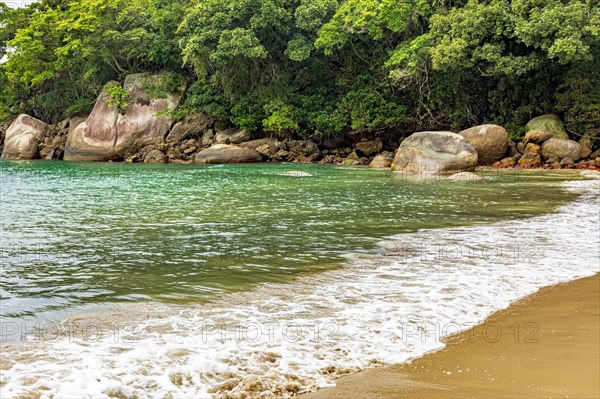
[(79, 234)]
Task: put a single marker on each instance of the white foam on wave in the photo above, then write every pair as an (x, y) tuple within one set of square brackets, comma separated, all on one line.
[(280, 339)]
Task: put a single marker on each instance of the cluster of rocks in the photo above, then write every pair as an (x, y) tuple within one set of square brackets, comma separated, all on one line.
[(30, 138), (143, 131), (547, 145), (201, 144)]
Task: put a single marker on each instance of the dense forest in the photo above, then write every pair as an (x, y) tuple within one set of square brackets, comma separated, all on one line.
[(312, 68)]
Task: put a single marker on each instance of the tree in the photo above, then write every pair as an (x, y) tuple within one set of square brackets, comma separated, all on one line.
[(315, 67), (526, 52), (64, 53), (503, 37), (255, 62)]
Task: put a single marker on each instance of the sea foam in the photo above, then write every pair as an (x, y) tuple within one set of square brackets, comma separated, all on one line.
[(281, 339)]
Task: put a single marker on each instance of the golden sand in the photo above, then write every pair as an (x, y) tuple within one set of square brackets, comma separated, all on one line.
[(556, 353)]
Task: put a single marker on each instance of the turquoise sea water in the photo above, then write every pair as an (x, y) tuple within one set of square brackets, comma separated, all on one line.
[(76, 235), (141, 281)]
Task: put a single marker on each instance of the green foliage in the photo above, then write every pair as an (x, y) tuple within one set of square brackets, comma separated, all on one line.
[(578, 99), (312, 68), (64, 53), (515, 37), (280, 119), (253, 57), (299, 49), (526, 52), (369, 109), (373, 18), (247, 112), (117, 96), (165, 84)]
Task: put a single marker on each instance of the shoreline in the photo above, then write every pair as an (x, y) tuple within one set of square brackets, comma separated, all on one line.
[(487, 168), (479, 171), (362, 326), (544, 345)]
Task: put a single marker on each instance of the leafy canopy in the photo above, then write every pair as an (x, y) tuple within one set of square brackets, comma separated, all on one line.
[(314, 67)]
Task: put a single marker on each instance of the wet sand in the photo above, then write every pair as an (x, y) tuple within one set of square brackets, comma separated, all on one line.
[(556, 353)]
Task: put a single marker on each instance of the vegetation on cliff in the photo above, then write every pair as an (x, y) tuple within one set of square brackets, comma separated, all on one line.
[(314, 67)]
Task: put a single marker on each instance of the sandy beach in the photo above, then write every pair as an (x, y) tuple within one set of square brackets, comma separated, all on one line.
[(556, 353)]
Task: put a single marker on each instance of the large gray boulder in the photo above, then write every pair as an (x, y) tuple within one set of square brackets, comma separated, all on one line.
[(75, 121), (557, 150), (23, 136), (109, 135), (550, 123), (94, 139), (490, 142), (435, 153), (225, 153)]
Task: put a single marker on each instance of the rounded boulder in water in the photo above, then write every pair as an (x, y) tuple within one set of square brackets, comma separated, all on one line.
[(490, 142)]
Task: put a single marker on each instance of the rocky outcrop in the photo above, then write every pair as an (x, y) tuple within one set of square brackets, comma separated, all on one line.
[(208, 138), (302, 151), (435, 153), (75, 121), (225, 153), (512, 149), (559, 150), (335, 141), (53, 147), (507, 162), (550, 123), (586, 143), (22, 137), (108, 134), (330, 158), (382, 161), (352, 159), (267, 147), (537, 137), (288, 150), (490, 142), (369, 147), (193, 127), (3, 128), (531, 156), (232, 136), (155, 156), (94, 139)]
